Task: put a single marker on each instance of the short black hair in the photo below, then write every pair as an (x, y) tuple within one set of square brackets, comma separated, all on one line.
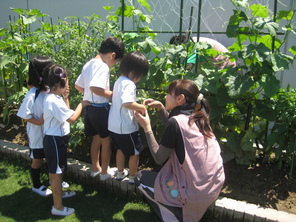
[(176, 39), (112, 44), (134, 62), (36, 67), (56, 74)]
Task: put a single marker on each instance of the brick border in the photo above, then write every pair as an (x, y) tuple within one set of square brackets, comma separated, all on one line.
[(223, 209)]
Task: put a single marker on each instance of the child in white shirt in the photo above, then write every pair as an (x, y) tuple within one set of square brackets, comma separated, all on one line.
[(122, 124), (31, 110), (57, 119)]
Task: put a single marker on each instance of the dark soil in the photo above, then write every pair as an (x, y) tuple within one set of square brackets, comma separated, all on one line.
[(260, 184)]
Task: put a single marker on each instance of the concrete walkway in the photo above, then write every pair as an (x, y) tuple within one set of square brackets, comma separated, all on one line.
[(223, 210)]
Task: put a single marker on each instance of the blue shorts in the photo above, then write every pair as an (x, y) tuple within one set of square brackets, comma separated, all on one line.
[(37, 153), (96, 120), (55, 149), (129, 144)]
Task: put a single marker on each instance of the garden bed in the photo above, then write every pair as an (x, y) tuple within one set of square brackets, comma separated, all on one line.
[(260, 184)]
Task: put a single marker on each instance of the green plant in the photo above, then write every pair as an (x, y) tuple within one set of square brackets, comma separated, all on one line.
[(244, 99), (248, 95), (15, 45), (70, 42), (281, 141), (241, 97)]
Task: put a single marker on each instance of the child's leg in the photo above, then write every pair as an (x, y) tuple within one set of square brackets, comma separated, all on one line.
[(35, 172), (120, 160), (133, 165), (95, 153), (57, 192), (106, 154)]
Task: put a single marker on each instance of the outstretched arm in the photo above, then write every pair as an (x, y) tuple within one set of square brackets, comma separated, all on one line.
[(36, 121), (136, 107), (160, 153), (72, 119), (101, 92), (163, 114), (80, 89)]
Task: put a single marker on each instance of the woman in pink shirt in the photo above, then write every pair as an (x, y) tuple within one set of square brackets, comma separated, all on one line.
[(193, 175)]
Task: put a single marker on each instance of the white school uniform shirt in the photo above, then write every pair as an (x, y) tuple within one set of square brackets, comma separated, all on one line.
[(55, 116), (33, 108), (121, 120), (94, 73)]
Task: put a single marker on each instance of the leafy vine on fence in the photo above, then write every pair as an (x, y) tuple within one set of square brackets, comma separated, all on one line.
[(248, 104)]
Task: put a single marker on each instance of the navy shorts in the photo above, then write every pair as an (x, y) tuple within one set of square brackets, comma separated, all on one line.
[(129, 144), (96, 121), (37, 153), (55, 149)]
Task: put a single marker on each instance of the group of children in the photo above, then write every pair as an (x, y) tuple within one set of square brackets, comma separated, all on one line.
[(47, 111)]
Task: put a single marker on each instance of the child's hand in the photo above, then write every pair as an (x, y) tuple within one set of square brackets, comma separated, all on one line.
[(153, 103), (85, 103), (142, 110), (66, 93), (41, 120), (144, 121)]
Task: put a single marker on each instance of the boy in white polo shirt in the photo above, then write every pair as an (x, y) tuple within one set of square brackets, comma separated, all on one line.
[(122, 124), (93, 82)]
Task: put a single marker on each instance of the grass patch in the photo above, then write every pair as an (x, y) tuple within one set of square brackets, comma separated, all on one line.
[(19, 203)]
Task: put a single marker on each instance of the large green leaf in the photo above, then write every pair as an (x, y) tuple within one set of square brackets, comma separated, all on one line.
[(17, 37), (128, 11), (18, 10), (3, 31), (146, 18), (248, 140), (7, 59), (272, 138), (259, 10), (199, 81), (241, 3), (267, 23), (234, 21), (293, 50), (222, 97), (210, 86), (238, 85), (28, 20), (279, 63), (288, 15), (215, 109), (270, 84), (145, 4), (108, 8), (249, 50), (264, 110), (35, 12), (234, 143), (235, 47), (147, 45), (269, 41)]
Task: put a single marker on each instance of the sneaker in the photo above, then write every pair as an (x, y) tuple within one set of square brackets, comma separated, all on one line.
[(69, 194), (131, 180), (121, 175), (65, 185), (42, 191), (108, 175), (95, 173), (65, 212)]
